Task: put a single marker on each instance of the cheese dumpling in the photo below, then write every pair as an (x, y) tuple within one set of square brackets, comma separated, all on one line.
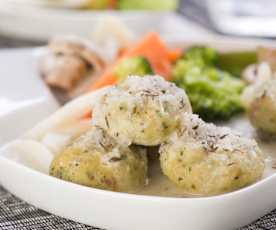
[(141, 110), (96, 160)]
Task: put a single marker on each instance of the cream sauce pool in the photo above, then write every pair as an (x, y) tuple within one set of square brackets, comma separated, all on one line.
[(159, 185)]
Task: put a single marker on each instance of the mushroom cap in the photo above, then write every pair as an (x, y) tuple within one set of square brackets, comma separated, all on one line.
[(70, 45)]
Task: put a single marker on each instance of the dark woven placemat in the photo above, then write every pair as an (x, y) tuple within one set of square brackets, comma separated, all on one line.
[(17, 214)]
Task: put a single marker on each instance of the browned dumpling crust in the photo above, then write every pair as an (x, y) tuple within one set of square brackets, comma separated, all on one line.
[(96, 160)]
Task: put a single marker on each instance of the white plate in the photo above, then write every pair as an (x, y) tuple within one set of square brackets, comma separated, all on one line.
[(25, 175), (41, 23), (49, 3)]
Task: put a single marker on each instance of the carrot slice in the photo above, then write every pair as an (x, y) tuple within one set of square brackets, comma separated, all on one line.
[(121, 52), (155, 51), (174, 54), (86, 116), (152, 48), (112, 4), (108, 78)]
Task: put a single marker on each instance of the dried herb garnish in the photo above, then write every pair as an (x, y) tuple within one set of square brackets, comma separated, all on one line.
[(101, 144), (149, 93), (182, 104), (106, 121), (134, 111), (223, 136), (165, 126), (116, 159), (264, 94), (213, 148)]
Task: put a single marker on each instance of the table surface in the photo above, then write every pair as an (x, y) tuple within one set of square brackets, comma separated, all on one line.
[(17, 214)]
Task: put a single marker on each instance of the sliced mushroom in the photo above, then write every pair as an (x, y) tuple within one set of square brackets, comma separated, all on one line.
[(69, 62), (63, 71), (77, 47)]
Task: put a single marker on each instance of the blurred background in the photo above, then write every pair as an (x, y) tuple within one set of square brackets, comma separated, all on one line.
[(33, 22)]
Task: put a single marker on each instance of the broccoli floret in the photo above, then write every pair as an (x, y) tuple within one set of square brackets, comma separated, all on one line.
[(160, 5), (214, 94), (232, 62), (133, 66), (206, 55)]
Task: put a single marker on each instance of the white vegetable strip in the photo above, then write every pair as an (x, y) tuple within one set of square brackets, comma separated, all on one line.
[(30, 153), (55, 141), (70, 113)]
